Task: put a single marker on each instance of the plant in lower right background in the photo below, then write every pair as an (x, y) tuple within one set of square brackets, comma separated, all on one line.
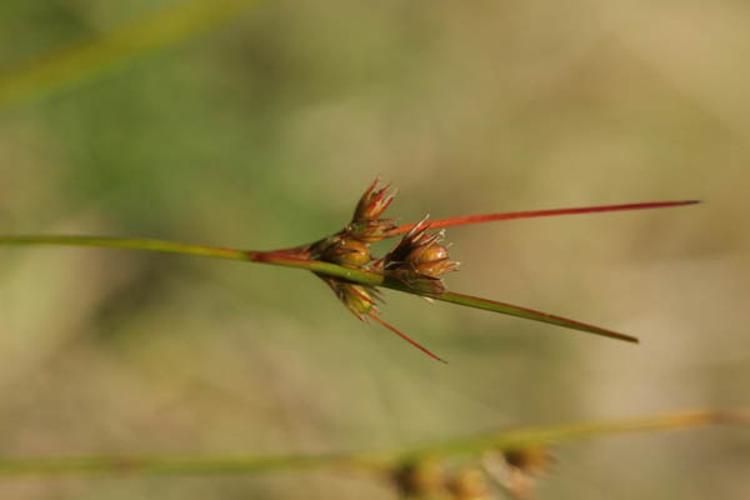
[(504, 464)]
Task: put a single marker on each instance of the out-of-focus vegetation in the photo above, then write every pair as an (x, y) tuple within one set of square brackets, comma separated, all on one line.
[(263, 132)]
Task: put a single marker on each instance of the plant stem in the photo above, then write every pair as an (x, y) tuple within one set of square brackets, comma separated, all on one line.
[(163, 465), (288, 258), (377, 462), (149, 245)]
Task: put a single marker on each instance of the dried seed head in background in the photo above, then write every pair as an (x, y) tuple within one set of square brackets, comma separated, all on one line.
[(422, 479), (533, 460), (517, 471), (469, 483)]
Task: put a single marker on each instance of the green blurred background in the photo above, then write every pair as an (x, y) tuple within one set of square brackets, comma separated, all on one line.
[(262, 132)]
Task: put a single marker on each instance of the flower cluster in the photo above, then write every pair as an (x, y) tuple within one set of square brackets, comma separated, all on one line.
[(418, 261)]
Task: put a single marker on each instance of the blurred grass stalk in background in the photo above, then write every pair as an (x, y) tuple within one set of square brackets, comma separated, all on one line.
[(66, 67), (378, 462)]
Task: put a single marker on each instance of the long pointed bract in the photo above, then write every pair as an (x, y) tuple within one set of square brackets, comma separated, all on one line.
[(529, 214)]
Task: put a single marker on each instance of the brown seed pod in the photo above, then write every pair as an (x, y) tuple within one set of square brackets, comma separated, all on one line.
[(346, 252), (373, 202), (366, 224), (420, 259), (359, 299)]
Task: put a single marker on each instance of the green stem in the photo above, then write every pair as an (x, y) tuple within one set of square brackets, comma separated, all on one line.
[(299, 260), (374, 462), (149, 245)]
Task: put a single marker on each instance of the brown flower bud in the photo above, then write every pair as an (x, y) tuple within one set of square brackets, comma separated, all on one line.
[(346, 252), (373, 202), (360, 300), (420, 259), (431, 260), (366, 224)]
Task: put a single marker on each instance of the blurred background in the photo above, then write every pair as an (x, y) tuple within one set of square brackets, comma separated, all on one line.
[(259, 126)]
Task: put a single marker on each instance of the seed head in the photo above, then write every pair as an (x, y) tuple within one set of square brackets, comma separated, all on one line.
[(518, 470)]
